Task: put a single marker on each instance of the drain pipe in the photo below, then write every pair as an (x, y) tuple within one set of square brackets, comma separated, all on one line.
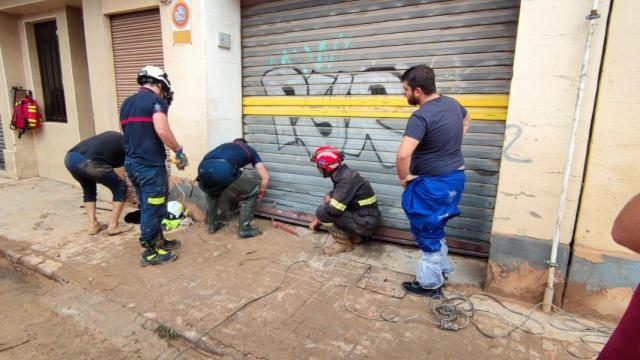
[(552, 262)]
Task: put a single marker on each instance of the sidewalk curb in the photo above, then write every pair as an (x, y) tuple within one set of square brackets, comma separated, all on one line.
[(49, 269), (38, 264)]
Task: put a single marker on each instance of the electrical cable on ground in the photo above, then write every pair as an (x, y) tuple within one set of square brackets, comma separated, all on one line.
[(324, 242), (593, 335), (514, 326), (456, 311), (184, 196), (14, 346), (453, 312)]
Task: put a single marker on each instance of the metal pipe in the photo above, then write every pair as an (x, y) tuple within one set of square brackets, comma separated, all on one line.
[(552, 262)]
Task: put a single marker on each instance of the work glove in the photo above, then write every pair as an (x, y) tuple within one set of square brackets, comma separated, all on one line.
[(181, 158)]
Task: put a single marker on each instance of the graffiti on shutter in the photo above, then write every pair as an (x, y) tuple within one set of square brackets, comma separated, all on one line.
[(328, 73)]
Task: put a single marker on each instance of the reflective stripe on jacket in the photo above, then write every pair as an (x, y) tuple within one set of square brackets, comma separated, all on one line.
[(350, 192)]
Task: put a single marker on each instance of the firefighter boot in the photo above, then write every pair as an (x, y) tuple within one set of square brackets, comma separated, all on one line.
[(355, 238), (246, 190), (155, 255), (212, 214), (341, 241), (245, 230), (165, 244)]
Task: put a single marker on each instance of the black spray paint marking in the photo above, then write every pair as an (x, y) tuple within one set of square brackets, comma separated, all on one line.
[(291, 81)]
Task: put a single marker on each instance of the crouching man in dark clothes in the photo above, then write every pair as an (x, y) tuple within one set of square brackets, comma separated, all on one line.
[(350, 210), (220, 170)]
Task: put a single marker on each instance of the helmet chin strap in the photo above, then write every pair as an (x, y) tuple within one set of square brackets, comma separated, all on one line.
[(167, 96), (324, 173)]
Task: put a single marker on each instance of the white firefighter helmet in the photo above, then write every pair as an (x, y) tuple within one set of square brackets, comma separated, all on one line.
[(175, 210), (156, 73), (153, 74)]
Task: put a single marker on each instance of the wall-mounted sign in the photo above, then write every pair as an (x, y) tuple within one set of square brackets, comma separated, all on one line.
[(181, 22)]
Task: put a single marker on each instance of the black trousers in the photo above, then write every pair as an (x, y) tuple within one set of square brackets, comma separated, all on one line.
[(362, 222)]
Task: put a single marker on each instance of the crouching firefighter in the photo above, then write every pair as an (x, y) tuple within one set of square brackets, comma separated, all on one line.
[(221, 170), (350, 211), (145, 124)]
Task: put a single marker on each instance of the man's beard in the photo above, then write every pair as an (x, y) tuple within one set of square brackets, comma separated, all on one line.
[(413, 100)]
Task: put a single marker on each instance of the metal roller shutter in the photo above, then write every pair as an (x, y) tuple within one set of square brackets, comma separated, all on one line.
[(137, 42), (327, 72)]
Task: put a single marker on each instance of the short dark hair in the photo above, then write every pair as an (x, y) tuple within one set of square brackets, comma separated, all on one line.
[(420, 76), (242, 140)]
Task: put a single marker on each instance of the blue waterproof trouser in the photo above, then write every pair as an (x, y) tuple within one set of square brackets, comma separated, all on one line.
[(429, 202), (151, 186)]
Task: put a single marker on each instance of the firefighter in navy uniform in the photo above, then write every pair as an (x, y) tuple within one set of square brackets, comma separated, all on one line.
[(144, 121), (350, 211), (221, 170)]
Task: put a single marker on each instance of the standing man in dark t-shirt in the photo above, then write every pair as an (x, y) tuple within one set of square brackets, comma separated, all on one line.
[(221, 170), (92, 161), (144, 121), (431, 168)]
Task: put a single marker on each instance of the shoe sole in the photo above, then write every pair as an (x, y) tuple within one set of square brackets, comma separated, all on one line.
[(119, 232), (247, 237), (101, 229), (425, 292), (145, 263), (428, 295), (211, 232)]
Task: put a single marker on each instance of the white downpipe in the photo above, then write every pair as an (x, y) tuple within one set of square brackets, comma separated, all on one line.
[(552, 262)]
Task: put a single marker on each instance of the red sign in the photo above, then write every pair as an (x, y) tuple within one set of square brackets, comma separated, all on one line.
[(180, 15)]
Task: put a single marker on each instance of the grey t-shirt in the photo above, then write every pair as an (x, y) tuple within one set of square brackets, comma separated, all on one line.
[(438, 125)]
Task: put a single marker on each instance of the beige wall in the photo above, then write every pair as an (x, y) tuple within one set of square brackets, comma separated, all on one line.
[(122, 6), (224, 72), (613, 169), (549, 49), (54, 139), (80, 73), (19, 154), (101, 70), (185, 65)]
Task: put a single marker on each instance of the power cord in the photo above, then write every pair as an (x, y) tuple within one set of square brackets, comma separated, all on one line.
[(454, 312)]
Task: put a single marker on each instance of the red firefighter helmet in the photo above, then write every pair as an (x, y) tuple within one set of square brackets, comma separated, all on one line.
[(327, 159)]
